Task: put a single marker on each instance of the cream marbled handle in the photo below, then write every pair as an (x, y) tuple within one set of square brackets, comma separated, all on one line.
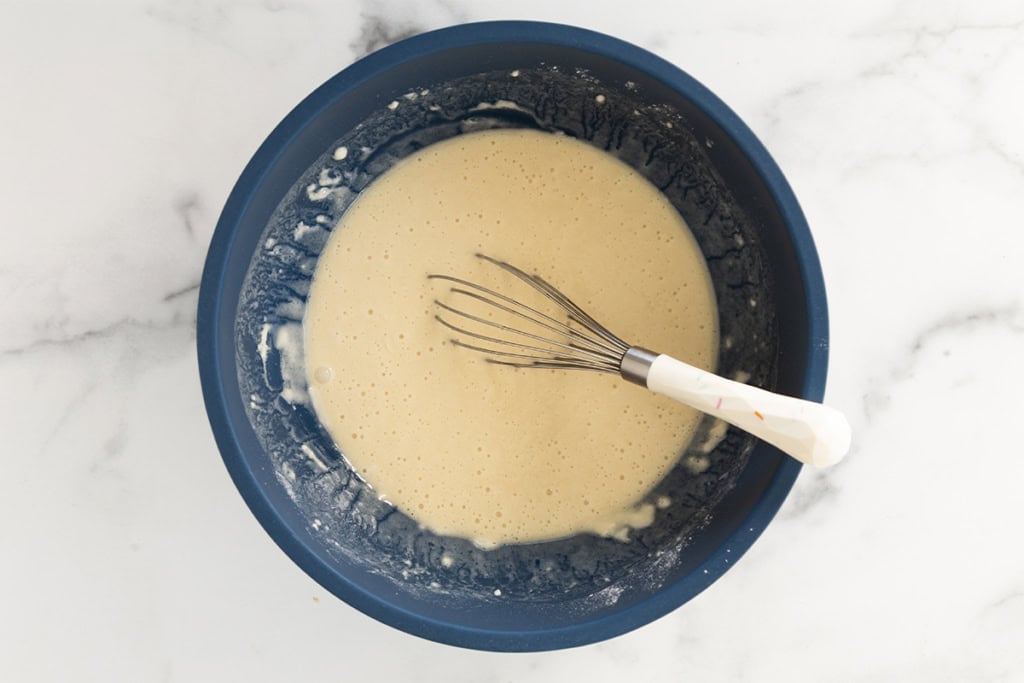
[(810, 432)]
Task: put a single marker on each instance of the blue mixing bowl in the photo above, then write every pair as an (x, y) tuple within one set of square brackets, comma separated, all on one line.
[(613, 95)]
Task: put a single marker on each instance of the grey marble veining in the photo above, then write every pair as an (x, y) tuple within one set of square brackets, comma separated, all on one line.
[(129, 555)]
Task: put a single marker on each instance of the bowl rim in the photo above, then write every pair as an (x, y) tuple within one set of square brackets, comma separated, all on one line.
[(210, 332)]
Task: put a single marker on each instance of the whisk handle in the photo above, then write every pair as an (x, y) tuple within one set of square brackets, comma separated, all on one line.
[(812, 433)]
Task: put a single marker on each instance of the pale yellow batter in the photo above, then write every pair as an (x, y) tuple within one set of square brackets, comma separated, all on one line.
[(485, 452)]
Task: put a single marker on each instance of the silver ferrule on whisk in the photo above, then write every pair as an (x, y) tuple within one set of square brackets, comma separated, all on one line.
[(636, 365)]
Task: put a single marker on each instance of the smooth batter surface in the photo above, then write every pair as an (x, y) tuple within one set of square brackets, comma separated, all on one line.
[(485, 452)]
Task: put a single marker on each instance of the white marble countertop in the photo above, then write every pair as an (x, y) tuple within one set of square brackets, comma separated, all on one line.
[(129, 556)]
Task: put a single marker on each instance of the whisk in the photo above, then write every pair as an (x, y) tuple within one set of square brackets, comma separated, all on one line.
[(810, 432)]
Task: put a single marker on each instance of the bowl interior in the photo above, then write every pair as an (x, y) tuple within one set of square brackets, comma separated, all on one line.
[(534, 596)]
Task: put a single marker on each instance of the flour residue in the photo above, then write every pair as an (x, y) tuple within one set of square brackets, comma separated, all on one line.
[(288, 342)]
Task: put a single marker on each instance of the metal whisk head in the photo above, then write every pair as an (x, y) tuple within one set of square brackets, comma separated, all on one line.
[(581, 343)]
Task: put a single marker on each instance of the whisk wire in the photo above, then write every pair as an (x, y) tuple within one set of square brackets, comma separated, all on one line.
[(531, 314), (575, 312), (511, 330), (554, 361), (589, 347), (582, 341)]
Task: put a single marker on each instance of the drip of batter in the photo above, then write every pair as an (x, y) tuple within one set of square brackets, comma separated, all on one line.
[(484, 452)]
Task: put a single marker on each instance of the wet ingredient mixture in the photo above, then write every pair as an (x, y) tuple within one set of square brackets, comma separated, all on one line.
[(476, 450)]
